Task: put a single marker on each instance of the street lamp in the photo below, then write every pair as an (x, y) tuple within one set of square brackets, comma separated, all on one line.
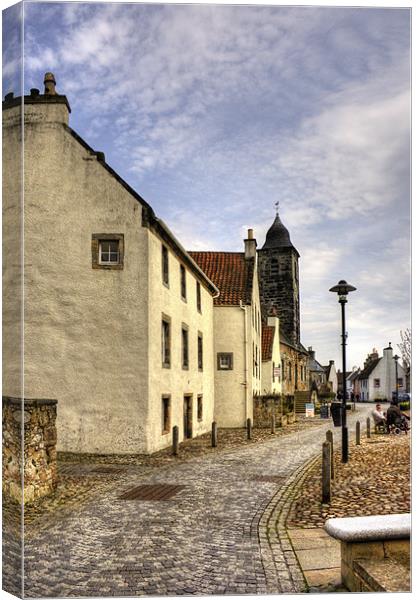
[(396, 357), (342, 289)]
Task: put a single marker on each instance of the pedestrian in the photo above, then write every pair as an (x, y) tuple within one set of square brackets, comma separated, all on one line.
[(379, 417)]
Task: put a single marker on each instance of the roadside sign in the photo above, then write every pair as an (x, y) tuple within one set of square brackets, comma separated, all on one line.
[(309, 409)]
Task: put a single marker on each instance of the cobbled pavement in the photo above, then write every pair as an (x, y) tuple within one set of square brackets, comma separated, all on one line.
[(224, 533)]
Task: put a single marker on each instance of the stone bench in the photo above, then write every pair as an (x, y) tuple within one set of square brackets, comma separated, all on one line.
[(369, 540)]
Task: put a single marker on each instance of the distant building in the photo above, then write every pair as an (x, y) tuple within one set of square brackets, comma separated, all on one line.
[(331, 376), (271, 357), (377, 380), (317, 373)]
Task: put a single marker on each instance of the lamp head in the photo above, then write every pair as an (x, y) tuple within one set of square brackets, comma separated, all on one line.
[(342, 289)]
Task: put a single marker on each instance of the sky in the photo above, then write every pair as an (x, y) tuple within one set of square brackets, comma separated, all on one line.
[(213, 113)]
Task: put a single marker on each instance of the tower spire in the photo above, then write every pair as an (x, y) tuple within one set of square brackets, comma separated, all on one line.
[(277, 208)]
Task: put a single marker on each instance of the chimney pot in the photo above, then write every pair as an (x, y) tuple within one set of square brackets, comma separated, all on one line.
[(250, 234), (49, 81), (101, 156), (34, 92)]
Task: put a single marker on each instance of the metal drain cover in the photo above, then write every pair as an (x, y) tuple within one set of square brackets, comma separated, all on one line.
[(151, 492)]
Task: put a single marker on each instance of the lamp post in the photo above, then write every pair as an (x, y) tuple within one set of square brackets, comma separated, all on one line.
[(396, 357), (342, 289)]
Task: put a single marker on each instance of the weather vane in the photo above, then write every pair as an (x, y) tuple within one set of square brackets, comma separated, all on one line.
[(276, 207)]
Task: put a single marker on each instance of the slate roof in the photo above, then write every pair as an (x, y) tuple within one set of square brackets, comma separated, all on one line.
[(268, 334), (340, 376), (314, 365), (278, 236), (367, 370), (230, 272)]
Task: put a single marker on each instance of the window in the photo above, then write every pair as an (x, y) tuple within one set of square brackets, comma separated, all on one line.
[(200, 351), (183, 283), (166, 414), (376, 383), (198, 292), (289, 372), (224, 361), (165, 265), (107, 250), (400, 382), (199, 408), (282, 369), (166, 342), (184, 340)]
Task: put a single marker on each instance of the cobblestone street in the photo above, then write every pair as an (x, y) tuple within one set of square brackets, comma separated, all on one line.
[(214, 535)]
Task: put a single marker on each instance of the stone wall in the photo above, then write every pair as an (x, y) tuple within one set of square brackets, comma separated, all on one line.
[(266, 406), (39, 456)]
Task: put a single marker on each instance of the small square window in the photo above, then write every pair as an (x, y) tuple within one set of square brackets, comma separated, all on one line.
[(107, 250), (225, 361)]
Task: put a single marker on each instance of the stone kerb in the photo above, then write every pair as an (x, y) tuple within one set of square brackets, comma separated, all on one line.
[(377, 537), (38, 456)]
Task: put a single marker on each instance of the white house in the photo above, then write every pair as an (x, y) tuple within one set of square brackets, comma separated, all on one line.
[(237, 331), (331, 376), (271, 357), (377, 379), (118, 318)]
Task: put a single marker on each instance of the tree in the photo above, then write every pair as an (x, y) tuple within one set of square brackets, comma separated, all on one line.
[(405, 348)]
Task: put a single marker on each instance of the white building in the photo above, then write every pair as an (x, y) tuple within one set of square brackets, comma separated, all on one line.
[(237, 331), (118, 318), (271, 357), (377, 380)]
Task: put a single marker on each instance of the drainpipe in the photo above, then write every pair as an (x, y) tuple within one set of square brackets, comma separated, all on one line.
[(246, 358)]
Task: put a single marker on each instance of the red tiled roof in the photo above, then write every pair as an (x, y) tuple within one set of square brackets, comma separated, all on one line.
[(268, 333), (230, 273)]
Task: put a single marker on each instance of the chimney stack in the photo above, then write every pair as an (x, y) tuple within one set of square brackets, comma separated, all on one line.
[(250, 245), (50, 83)]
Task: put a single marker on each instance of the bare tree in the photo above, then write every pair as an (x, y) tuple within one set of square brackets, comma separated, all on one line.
[(405, 347)]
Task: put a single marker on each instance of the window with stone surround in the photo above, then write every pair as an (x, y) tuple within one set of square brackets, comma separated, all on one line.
[(183, 282), (107, 251), (166, 413), (198, 294), (165, 265), (184, 346), (224, 361), (200, 350), (199, 408), (166, 342)]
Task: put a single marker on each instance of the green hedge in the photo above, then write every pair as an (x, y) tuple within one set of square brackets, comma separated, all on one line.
[(405, 405)]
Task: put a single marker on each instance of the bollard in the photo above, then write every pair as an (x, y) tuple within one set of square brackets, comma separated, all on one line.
[(358, 433), (175, 440), (326, 473), (272, 423), (249, 428), (368, 427), (214, 434), (329, 438)]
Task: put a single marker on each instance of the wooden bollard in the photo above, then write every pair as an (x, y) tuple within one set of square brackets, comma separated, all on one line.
[(368, 427), (358, 433), (326, 492), (249, 428), (329, 438), (272, 423), (175, 440), (214, 434)]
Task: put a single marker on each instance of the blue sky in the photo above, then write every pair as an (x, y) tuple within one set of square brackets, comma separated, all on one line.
[(213, 113)]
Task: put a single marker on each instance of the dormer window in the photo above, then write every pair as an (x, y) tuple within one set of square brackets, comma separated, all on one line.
[(107, 250)]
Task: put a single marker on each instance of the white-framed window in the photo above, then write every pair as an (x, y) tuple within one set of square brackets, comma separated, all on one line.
[(107, 250), (224, 361)]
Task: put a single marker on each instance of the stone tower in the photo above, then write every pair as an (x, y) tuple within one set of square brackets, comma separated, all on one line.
[(278, 279)]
